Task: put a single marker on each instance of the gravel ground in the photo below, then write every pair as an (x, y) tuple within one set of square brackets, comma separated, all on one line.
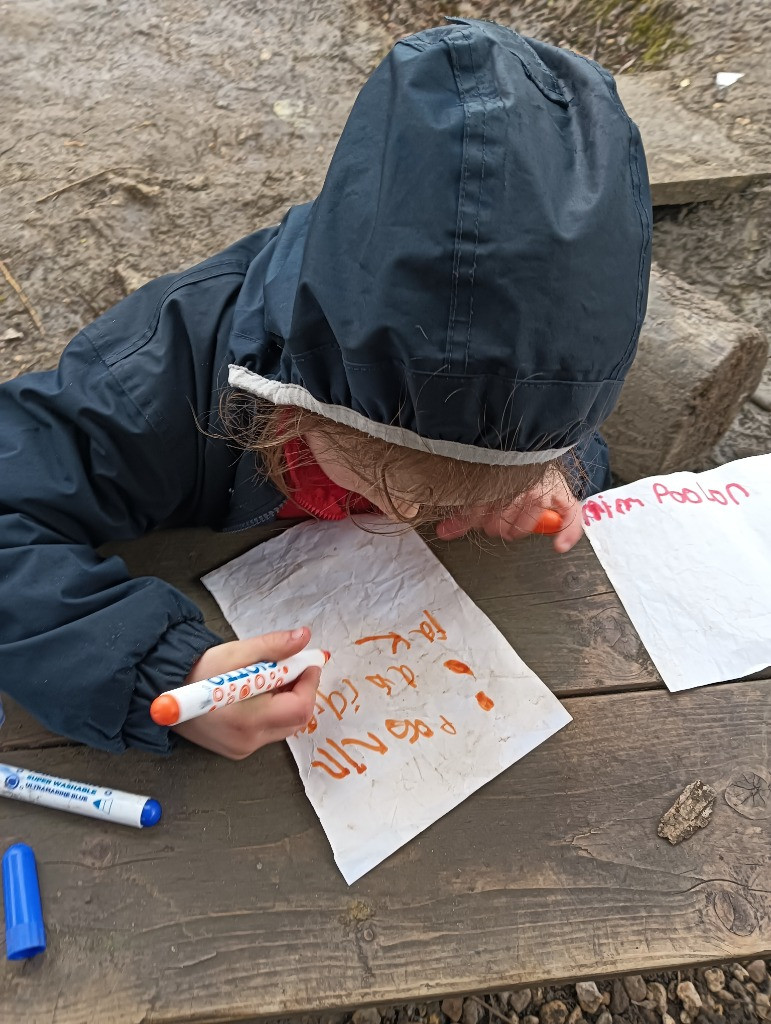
[(734, 992), (140, 136)]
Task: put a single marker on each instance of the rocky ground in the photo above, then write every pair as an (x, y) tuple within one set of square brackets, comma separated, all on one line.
[(139, 136), (733, 992)]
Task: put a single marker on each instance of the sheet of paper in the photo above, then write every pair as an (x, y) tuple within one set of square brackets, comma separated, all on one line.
[(423, 702), (689, 554)]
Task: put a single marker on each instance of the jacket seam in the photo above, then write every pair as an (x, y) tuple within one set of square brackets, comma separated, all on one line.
[(130, 398), (188, 277)]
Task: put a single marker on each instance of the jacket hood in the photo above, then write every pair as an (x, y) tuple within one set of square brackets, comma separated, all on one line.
[(473, 276)]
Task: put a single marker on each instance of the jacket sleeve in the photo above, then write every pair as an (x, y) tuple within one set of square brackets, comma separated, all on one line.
[(106, 448)]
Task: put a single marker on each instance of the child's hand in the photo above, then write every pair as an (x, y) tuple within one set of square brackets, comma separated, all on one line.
[(237, 731), (520, 518)]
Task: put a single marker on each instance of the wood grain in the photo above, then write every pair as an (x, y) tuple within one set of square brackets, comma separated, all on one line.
[(232, 907)]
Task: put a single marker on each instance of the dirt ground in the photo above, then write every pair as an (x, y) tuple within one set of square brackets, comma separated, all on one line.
[(140, 136)]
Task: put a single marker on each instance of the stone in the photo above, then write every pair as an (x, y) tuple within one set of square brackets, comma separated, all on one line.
[(519, 1001), (714, 979), (589, 996), (553, 1012), (11, 335), (575, 1016), (758, 971), (472, 1012), (691, 811), (762, 397), (530, 1019), (696, 362), (453, 1008), (538, 997), (368, 1016), (605, 1018), (739, 972), (737, 987), (619, 1000), (726, 997), (689, 997), (657, 995), (635, 987), (667, 1019)]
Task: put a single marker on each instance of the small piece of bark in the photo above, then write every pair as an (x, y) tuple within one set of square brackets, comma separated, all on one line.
[(692, 810)]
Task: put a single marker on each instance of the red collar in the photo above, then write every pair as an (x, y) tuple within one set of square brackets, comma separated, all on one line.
[(313, 493)]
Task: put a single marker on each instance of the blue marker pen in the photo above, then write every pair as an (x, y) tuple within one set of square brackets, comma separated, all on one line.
[(78, 797)]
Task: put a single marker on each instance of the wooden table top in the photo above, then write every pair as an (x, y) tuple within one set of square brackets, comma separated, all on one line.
[(232, 908)]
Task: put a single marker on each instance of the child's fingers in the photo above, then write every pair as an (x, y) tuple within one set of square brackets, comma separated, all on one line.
[(239, 653), (452, 529), (569, 535), (240, 729)]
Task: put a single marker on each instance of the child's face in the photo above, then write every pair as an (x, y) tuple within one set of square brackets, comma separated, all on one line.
[(343, 476)]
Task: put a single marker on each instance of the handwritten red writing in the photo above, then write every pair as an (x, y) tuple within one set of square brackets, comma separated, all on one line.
[(598, 508)]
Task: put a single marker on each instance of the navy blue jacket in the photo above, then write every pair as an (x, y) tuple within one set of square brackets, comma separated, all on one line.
[(471, 280)]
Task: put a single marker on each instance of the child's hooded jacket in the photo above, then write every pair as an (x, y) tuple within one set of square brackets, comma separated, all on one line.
[(471, 280)]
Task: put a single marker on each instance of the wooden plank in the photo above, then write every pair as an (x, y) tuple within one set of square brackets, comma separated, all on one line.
[(233, 908), (558, 611), (690, 157)]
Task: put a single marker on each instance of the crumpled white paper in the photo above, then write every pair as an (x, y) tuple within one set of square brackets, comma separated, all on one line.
[(689, 554), (423, 701)]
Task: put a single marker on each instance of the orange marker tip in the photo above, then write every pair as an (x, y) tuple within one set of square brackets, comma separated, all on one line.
[(164, 710), (327, 656), (549, 522)]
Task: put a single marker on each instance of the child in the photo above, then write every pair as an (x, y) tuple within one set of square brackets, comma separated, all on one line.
[(438, 335)]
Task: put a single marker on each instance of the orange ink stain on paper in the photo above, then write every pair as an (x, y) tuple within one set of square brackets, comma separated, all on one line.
[(484, 701), (458, 666)]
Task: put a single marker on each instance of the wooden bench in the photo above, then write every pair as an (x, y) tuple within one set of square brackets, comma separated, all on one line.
[(232, 908)]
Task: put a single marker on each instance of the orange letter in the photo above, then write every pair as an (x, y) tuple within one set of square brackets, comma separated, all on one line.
[(395, 639), (402, 729)]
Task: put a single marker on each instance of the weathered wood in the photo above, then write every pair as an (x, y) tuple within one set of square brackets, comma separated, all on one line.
[(558, 611), (695, 365), (690, 157), (232, 908)]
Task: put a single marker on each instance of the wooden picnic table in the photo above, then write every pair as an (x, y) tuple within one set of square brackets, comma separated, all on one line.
[(232, 908)]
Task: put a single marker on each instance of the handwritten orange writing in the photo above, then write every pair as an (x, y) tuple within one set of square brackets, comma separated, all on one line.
[(485, 703), (430, 628), (413, 729), (338, 763), (395, 638), (458, 666)]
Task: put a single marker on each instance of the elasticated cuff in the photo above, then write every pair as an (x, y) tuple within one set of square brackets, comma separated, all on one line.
[(164, 668)]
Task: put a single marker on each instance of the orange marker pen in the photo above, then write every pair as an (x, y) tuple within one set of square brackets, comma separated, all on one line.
[(195, 699)]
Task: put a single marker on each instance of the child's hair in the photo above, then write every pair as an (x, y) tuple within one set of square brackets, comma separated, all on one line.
[(452, 487)]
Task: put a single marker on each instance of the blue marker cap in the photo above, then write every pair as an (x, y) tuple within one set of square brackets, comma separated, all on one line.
[(24, 932), (151, 814)]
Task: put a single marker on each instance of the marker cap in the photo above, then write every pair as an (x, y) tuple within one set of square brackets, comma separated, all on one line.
[(151, 813), (164, 710), (24, 932)]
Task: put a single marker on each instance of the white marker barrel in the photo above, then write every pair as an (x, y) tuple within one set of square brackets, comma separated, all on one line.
[(78, 797), (195, 699)]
